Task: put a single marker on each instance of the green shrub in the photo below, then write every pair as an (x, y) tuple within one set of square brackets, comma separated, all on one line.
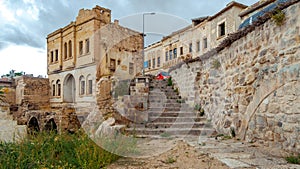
[(293, 159), (216, 64), (46, 150), (278, 17)]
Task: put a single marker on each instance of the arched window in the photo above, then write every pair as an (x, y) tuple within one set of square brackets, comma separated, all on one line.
[(89, 82), (82, 85), (70, 49), (53, 88), (65, 50), (58, 88)]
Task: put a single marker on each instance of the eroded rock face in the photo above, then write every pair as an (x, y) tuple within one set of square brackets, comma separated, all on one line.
[(255, 89)]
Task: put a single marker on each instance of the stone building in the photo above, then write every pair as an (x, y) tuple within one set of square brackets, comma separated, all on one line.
[(85, 51), (202, 35)]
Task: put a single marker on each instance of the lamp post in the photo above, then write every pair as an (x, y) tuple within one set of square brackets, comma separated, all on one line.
[(150, 13)]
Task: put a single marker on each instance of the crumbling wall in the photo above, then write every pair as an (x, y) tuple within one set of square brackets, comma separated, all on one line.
[(33, 91), (250, 83)]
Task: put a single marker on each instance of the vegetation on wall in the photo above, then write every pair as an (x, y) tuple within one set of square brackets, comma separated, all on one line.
[(278, 17), (216, 64)]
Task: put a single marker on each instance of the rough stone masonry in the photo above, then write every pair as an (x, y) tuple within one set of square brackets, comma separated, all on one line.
[(251, 87)]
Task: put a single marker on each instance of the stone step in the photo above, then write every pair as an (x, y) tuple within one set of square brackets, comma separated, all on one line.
[(163, 109), (169, 131), (155, 104), (176, 125), (176, 119), (157, 100), (172, 114)]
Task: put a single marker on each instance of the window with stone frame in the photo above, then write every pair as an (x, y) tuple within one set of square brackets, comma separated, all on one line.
[(87, 45), (175, 53), (205, 45), (89, 85), (149, 63), (51, 57), (170, 54), (198, 46), (81, 85), (56, 55), (65, 50), (131, 68), (190, 48), (70, 48), (221, 29), (167, 55), (181, 50), (158, 61), (80, 47), (58, 87), (153, 61), (53, 89)]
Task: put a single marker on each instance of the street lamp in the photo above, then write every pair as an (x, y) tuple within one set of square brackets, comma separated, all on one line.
[(150, 13)]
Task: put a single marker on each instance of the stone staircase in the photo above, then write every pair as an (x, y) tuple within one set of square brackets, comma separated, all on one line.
[(169, 116)]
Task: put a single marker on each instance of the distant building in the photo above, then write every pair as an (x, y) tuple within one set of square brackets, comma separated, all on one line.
[(87, 50), (6, 82), (202, 35)]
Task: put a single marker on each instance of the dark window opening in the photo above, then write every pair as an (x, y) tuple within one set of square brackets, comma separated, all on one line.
[(153, 61), (80, 48), (205, 43), (56, 55), (87, 45), (170, 54), (65, 51), (181, 50), (52, 57), (222, 29), (70, 49), (167, 55), (90, 89), (175, 53), (198, 46)]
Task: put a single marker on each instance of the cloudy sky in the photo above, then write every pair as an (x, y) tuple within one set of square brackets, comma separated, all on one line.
[(25, 23)]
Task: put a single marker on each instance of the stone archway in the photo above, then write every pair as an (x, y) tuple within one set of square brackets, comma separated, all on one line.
[(50, 125), (33, 125), (69, 89)]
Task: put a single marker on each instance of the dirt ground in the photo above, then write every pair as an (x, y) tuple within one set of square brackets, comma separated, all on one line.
[(182, 156)]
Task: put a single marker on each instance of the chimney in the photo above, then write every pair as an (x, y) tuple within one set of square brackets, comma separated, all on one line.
[(116, 22)]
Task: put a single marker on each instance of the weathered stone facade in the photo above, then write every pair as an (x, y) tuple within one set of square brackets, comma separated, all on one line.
[(203, 34), (86, 52), (252, 85)]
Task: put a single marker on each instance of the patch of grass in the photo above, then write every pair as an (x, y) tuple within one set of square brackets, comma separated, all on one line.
[(226, 137), (50, 150), (293, 159), (170, 160), (278, 17)]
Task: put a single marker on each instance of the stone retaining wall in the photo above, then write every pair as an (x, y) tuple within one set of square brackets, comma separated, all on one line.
[(251, 86)]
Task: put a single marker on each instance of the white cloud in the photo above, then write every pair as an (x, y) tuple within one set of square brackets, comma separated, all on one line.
[(6, 13), (23, 58)]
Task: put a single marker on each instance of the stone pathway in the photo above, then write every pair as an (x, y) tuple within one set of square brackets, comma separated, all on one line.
[(195, 153), (237, 154)]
